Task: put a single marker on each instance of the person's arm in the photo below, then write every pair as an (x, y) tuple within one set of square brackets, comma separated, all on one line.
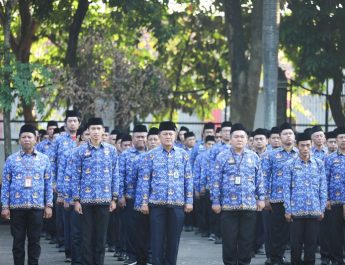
[(6, 185), (48, 185), (188, 181), (323, 187), (115, 177)]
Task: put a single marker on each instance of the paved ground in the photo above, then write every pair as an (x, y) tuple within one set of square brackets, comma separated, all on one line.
[(194, 250)]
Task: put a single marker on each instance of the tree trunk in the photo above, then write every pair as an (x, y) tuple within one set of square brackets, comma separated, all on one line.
[(74, 31), (335, 100), (245, 73), (270, 63), (7, 74)]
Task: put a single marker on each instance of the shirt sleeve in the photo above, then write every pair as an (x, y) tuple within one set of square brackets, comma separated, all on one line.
[(328, 174), (6, 185), (287, 176), (323, 187), (115, 177), (216, 182), (267, 173), (76, 175), (188, 183), (48, 185), (122, 174), (145, 177), (260, 188), (197, 173)]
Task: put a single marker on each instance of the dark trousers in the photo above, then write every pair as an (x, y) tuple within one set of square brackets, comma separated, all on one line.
[(279, 232), (142, 233), (205, 207), (336, 229), (129, 225), (119, 228), (111, 231), (260, 235), (59, 224), (266, 217), (238, 233), (303, 235), (26, 223), (166, 226), (215, 223), (75, 221), (51, 222), (325, 238), (67, 231), (94, 222)]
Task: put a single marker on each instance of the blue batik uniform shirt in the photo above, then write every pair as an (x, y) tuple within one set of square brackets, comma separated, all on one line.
[(335, 173), (138, 173), (233, 195), (95, 175), (273, 163), (201, 171), (320, 154), (62, 148), (305, 190), (19, 166), (128, 180), (166, 178)]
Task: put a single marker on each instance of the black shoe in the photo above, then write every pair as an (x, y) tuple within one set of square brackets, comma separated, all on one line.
[(260, 251), (117, 254), (205, 234), (68, 259), (268, 261), (111, 249), (218, 241), (121, 257)]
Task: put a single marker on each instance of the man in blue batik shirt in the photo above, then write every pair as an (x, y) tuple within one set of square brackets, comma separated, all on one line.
[(26, 196), (238, 191), (335, 173), (319, 150), (95, 186), (305, 198), (128, 183), (273, 163), (166, 192)]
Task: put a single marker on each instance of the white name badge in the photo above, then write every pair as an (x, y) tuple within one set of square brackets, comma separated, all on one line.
[(238, 180), (28, 182)]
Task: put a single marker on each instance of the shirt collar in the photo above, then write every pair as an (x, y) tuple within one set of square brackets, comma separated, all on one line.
[(22, 153), (94, 147)]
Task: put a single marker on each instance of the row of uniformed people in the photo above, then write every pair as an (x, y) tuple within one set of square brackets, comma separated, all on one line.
[(65, 162)]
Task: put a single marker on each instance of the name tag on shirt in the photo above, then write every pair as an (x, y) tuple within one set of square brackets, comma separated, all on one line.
[(237, 180), (28, 182)]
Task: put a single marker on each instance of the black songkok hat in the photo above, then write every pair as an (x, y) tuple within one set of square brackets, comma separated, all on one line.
[(260, 131), (226, 124), (56, 130), (274, 130), (80, 131), (139, 128), (106, 129), (119, 137), (218, 129), (52, 123), (126, 138), (285, 126), (167, 126), (153, 131), (95, 121), (189, 134), (115, 132), (316, 128), (183, 128), (27, 128), (302, 137), (238, 127), (62, 129), (339, 130), (42, 132), (210, 138), (209, 125), (72, 113), (331, 134), (308, 131)]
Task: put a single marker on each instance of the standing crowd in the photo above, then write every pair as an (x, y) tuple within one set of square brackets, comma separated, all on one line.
[(90, 190)]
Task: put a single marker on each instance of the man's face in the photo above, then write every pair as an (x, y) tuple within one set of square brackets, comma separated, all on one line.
[(50, 131), (218, 137), (318, 138), (190, 141), (27, 141), (72, 124), (167, 138), (153, 141), (274, 140), (259, 141), (341, 141), (304, 148), (113, 139), (287, 137), (181, 135), (209, 144), (105, 137), (332, 144), (118, 146), (86, 135), (239, 139), (96, 132), (125, 145), (139, 140), (225, 133), (208, 132)]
